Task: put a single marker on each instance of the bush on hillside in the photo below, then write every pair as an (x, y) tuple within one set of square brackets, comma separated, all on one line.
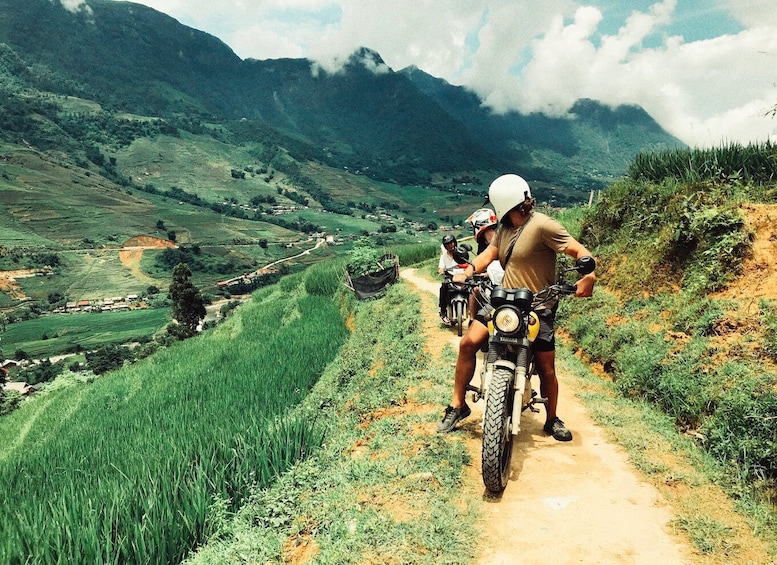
[(694, 234), (365, 257)]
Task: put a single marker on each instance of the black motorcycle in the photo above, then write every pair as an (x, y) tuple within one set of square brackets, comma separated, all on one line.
[(508, 368), (457, 308)]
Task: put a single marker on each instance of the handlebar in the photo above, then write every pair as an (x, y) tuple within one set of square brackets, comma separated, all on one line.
[(552, 291)]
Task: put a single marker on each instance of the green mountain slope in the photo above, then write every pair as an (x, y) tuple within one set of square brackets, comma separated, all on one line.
[(402, 127), (590, 148)]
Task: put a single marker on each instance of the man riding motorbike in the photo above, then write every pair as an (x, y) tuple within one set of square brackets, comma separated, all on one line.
[(526, 245), (446, 262)]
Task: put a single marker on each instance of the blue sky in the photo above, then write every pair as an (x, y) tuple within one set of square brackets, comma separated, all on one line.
[(706, 70)]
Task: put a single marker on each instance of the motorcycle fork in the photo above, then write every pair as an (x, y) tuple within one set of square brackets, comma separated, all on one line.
[(521, 385), (490, 355)]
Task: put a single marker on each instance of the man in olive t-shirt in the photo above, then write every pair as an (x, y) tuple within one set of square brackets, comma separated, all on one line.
[(532, 264)]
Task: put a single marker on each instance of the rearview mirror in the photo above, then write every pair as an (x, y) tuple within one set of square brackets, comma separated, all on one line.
[(461, 254)]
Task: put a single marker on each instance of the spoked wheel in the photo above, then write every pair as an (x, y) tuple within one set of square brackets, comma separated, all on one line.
[(497, 436)]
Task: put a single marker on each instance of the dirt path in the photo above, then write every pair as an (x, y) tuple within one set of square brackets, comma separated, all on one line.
[(131, 253), (576, 502)]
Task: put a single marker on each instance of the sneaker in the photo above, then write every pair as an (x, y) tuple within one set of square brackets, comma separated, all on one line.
[(452, 417), (445, 320), (558, 430)]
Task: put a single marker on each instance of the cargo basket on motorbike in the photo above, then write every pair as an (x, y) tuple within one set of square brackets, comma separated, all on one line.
[(370, 284)]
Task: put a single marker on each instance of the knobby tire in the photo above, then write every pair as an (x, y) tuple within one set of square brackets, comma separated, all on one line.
[(497, 436)]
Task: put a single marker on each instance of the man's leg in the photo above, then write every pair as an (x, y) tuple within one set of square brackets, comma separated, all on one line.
[(476, 334), (546, 368), (444, 302), (469, 345), (545, 362)]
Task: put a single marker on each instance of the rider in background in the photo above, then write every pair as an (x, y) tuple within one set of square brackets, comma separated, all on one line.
[(526, 244), (446, 262), (484, 225)]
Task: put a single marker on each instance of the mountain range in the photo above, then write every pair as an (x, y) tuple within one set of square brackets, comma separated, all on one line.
[(402, 127)]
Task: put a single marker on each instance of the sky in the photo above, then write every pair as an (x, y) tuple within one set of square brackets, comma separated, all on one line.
[(705, 70)]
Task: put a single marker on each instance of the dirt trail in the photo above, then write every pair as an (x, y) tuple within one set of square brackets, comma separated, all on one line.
[(131, 253), (575, 502)]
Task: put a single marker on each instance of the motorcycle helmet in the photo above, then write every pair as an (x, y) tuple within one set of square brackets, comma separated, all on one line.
[(448, 239), (481, 220), (507, 192)]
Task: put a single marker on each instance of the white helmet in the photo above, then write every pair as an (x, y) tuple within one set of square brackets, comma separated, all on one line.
[(507, 192), (481, 220)]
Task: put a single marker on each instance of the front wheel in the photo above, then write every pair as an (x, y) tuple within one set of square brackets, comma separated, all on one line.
[(497, 431), (459, 316)]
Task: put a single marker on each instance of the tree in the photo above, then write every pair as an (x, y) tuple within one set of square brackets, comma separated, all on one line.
[(188, 305), (107, 358), (3, 326)]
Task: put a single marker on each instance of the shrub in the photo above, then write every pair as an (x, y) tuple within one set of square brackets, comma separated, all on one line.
[(741, 430), (364, 258)]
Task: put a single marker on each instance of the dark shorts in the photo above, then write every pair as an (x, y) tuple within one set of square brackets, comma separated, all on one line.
[(546, 339)]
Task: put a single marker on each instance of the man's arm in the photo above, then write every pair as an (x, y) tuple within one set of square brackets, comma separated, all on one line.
[(481, 262), (585, 286)]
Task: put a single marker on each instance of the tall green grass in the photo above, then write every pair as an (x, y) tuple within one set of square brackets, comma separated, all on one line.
[(415, 253), (753, 163), (382, 489), (133, 468)]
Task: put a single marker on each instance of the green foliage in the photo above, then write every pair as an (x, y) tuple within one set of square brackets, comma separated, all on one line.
[(188, 307), (416, 253), (361, 399), (42, 372), (731, 404), (754, 163), (694, 232), (769, 315), (669, 234), (324, 279), (741, 429), (365, 257), (9, 401), (81, 330), (172, 444), (107, 358), (698, 317)]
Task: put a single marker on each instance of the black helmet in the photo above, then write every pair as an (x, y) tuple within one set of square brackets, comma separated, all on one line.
[(448, 239)]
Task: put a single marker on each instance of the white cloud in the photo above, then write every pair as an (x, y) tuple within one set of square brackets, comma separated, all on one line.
[(75, 6), (753, 13), (532, 56)]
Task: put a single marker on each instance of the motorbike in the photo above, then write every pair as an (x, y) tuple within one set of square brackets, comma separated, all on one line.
[(508, 368), (458, 293)]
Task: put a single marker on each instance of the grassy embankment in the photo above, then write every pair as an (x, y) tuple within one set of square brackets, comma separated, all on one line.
[(383, 489), (668, 238), (145, 463), (138, 465)]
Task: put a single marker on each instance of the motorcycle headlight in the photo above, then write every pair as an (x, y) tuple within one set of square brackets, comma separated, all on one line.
[(507, 320)]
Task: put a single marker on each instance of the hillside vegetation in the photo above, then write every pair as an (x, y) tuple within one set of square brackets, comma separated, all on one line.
[(673, 239), (378, 488), (139, 465)]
